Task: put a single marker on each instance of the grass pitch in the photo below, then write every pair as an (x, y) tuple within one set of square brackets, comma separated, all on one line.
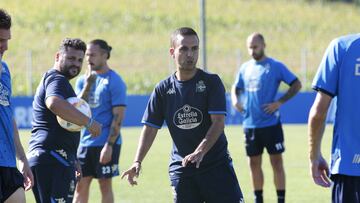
[(154, 185)]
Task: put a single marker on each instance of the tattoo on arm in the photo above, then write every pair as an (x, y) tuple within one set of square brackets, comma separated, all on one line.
[(114, 129)]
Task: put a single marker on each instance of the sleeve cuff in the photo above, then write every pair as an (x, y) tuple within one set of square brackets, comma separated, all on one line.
[(318, 89), (116, 105), (218, 112), (56, 95), (292, 82), (151, 125)]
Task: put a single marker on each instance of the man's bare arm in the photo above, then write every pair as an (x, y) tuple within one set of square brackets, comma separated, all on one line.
[(213, 134)]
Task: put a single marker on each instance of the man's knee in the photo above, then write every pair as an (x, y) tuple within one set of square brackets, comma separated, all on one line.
[(83, 184), (17, 197), (105, 185), (277, 163), (255, 162)]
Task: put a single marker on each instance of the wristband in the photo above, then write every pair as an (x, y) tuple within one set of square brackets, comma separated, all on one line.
[(87, 126), (139, 162)]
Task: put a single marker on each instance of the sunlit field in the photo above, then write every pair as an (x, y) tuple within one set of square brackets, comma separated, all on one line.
[(154, 186), (139, 30)]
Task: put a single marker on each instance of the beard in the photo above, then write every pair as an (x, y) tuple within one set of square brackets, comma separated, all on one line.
[(70, 71), (258, 56)]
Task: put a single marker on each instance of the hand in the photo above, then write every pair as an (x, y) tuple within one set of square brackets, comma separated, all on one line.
[(272, 107), (106, 154), (320, 172), (90, 76), (239, 107), (95, 129), (195, 157), (25, 170), (78, 171), (132, 172)]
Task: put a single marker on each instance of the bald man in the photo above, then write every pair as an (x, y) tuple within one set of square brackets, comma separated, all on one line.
[(253, 95)]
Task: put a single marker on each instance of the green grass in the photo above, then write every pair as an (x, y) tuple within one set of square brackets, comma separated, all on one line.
[(154, 183), (139, 32)]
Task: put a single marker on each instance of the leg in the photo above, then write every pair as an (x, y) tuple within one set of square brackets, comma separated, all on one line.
[(220, 184), (105, 173), (345, 188), (275, 147), (63, 186), (186, 191), (17, 197), (256, 172), (82, 190), (11, 185), (279, 173), (42, 185), (106, 190), (254, 150)]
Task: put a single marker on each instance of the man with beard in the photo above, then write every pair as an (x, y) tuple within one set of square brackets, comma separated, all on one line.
[(253, 94), (193, 104), (105, 91), (52, 150)]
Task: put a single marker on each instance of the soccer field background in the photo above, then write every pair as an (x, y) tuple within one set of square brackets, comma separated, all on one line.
[(154, 185)]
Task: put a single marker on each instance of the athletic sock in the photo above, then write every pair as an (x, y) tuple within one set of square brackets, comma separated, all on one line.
[(281, 196), (258, 196)]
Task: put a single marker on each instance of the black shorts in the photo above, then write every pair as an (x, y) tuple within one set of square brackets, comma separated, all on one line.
[(10, 180), (54, 183), (272, 138), (345, 188), (218, 184), (90, 166)]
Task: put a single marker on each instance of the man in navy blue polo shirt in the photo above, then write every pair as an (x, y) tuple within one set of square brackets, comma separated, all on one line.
[(52, 150), (338, 76), (192, 103)]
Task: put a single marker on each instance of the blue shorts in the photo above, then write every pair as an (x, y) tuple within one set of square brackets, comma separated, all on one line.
[(271, 138), (54, 183), (10, 180), (345, 188), (218, 184), (90, 166)]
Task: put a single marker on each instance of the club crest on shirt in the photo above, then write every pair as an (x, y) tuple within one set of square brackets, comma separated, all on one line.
[(200, 86), (267, 68), (187, 117), (4, 95)]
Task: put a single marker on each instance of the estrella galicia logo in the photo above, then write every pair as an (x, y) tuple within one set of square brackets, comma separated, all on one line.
[(200, 86), (187, 117)]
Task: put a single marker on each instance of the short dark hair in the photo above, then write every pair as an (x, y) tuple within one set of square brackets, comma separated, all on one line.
[(74, 43), (183, 31), (259, 36), (103, 45), (5, 19)]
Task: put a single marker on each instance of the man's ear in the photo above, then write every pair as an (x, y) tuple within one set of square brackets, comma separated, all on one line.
[(57, 56), (172, 51)]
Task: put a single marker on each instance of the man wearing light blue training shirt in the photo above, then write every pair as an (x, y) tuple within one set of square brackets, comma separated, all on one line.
[(254, 95), (338, 76), (12, 181), (105, 91)]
